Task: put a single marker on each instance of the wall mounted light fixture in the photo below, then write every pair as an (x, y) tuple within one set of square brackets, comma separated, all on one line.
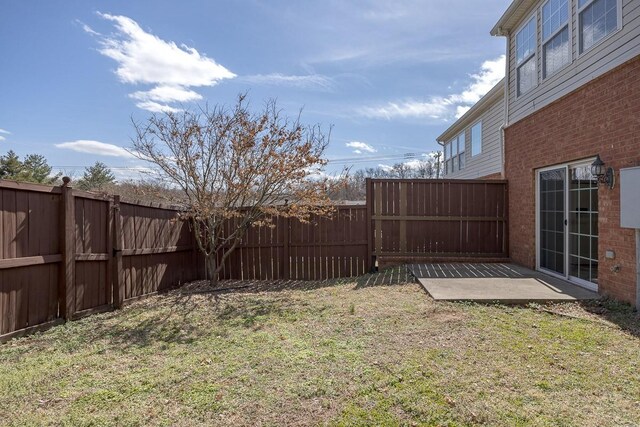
[(603, 174)]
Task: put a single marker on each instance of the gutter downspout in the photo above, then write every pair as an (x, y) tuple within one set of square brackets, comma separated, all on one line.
[(507, 74)]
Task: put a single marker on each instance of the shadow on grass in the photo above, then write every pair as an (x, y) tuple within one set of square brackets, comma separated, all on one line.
[(178, 317), (621, 314), (388, 277)]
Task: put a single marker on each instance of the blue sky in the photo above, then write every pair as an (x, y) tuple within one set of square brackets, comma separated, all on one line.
[(389, 76)]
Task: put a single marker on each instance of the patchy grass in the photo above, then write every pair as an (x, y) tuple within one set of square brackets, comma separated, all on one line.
[(376, 351)]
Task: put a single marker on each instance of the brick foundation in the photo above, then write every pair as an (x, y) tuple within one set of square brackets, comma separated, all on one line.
[(602, 117)]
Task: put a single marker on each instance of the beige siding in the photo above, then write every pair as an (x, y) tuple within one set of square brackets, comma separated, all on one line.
[(615, 50), (490, 160)]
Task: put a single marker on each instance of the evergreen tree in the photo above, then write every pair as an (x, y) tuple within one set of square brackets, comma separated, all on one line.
[(10, 166), (96, 177), (36, 169)]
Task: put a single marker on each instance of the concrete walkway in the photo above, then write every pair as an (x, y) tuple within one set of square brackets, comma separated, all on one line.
[(506, 283)]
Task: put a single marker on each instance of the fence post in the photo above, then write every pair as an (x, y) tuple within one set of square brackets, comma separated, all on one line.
[(369, 204), (402, 211), (118, 279), (505, 223), (377, 212), (285, 251), (68, 242)]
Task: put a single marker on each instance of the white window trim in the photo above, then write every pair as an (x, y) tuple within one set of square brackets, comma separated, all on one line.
[(543, 41), (534, 54), (579, 10), (479, 122), (567, 166)]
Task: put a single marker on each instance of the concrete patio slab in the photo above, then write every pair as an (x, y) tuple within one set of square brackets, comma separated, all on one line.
[(506, 283)]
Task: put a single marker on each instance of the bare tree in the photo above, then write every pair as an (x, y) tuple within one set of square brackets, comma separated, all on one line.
[(237, 169)]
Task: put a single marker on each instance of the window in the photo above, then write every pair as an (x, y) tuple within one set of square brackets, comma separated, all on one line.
[(461, 159), (476, 139), (525, 57), (448, 167), (597, 19), (454, 154), (556, 50)]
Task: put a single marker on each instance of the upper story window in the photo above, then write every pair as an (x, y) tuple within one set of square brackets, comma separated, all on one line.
[(525, 57), (476, 139), (448, 161), (597, 19), (454, 154), (556, 49), (461, 159)]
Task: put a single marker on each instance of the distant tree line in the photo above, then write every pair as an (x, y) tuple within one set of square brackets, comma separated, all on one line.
[(99, 177), (354, 188)]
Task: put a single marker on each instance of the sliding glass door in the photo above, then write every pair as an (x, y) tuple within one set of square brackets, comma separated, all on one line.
[(567, 216), (583, 225), (552, 219)]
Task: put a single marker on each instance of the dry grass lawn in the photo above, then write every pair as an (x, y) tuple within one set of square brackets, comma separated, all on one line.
[(376, 351)]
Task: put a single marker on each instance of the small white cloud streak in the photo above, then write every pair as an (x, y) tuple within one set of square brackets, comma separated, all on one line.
[(310, 81), (156, 107), (97, 148), (167, 94), (6, 132), (443, 108), (360, 147)]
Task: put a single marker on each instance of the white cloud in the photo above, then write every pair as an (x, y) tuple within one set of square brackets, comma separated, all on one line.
[(436, 108), (144, 58), (461, 110), (443, 108), (6, 132), (167, 94), (97, 148), (491, 72), (360, 147), (310, 81), (156, 107)]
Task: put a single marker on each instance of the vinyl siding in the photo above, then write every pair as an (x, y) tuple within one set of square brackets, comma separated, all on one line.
[(490, 160), (616, 49)]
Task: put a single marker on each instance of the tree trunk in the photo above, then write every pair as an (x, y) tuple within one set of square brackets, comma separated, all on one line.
[(212, 274)]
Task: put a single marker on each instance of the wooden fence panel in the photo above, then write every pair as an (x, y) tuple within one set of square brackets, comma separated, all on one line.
[(157, 250), (93, 253), (438, 218), (321, 249), (29, 256)]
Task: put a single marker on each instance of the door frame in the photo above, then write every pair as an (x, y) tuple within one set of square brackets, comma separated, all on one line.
[(567, 167)]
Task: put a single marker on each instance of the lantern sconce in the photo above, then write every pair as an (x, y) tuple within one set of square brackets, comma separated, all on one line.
[(603, 174)]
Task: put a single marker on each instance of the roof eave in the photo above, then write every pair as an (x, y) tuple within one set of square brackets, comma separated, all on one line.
[(512, 16)]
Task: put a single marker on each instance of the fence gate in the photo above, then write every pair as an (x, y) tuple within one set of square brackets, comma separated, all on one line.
[(437, 219)]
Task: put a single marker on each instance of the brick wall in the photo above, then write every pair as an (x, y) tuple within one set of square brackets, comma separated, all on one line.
[(602, 117), (492, 176)]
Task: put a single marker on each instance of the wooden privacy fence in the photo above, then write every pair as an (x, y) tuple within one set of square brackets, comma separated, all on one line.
[(437, 219), (322, 248), (66, 253)]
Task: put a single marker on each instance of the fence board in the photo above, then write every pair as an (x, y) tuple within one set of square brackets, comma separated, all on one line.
[(445, 218)]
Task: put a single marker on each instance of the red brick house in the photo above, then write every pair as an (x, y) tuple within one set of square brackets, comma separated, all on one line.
[(573, 95)]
